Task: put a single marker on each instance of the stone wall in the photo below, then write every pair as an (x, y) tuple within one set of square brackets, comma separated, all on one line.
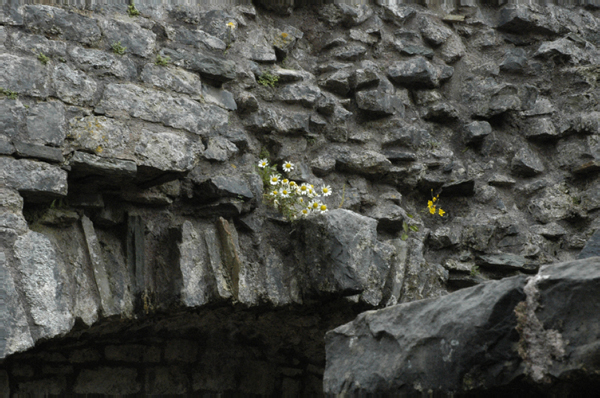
[(130, 193)]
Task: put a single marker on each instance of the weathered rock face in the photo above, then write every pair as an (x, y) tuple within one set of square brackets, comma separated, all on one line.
[(129, 191), (510, 336)]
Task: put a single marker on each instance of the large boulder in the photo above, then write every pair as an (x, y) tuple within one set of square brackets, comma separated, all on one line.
[(516, 335)]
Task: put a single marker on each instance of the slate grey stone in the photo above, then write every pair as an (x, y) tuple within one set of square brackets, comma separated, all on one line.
[(362, 162), (257, 47), (338, 82), (15, 335), (55, 21), (521, 19), (445, 236), (198, 282), (85, 164), (137, 40), (475, 132), (73, 86), (211, 67), (568, 51), (433, 32), (218, 97), (195, 38), (550, 231), (43, 285), (366, 76), (300, 93), (477, 236), (350, 52), (552, 203), (515, 59), (247, 102), (389, 216), (390, 342), (46, 123), (506, 261), (6, 146), (35, 180), (418, 72), (37, 151), (219, 149), (441, 112), (224, 186), (526, 163), (267, 120), (585, 123), (23, 75), (155, 106), (339, 253), (541, 129), (354, 15), (377, 103), (102, 63), (172, 78), (37, 44), (592, 247)]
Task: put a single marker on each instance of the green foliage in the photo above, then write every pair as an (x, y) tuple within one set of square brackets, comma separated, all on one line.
[(268, 80), (475, 270), (8, 93), (43, 59), (132, 11), (406, 229), (118, 48), (162, 61)]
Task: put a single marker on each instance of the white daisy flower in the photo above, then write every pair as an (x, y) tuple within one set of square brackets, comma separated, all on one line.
[(301, 200), (303, 189), (323, 208), (293, 184), (263, 163), (285, 193), (304, 212), (326, 190), (275, 192), (285, 181), (274, 179), (314, 205), (311, 193), (288, 166)]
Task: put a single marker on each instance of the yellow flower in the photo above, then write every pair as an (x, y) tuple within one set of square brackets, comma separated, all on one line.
[(231, 25), (284, 35), (429, 203), (432, 209), (442, 212)]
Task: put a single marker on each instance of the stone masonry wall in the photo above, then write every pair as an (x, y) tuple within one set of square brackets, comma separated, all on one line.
[(131, 209)]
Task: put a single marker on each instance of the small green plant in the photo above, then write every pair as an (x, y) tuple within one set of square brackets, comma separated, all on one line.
[(118, 48), (406, 229), (43, 59), (162, 61), (132, 11), (230, 30), (8, 93), (291, 199), (268, 80), (475, 271)]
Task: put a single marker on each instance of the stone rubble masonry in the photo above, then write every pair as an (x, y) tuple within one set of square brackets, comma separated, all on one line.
[(136, 241)]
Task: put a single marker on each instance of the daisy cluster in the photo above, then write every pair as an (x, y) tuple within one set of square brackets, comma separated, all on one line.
[(293, 200)]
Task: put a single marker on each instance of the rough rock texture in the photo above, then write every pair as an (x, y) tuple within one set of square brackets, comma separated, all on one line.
[(499, 336), (130, 198)]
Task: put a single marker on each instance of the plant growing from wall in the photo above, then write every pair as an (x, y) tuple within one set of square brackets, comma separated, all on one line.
[(132, 11), (291, 199), (162, 61), (434, 205), (268, 80), (43, 59), (118, 48), (8, 93)]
